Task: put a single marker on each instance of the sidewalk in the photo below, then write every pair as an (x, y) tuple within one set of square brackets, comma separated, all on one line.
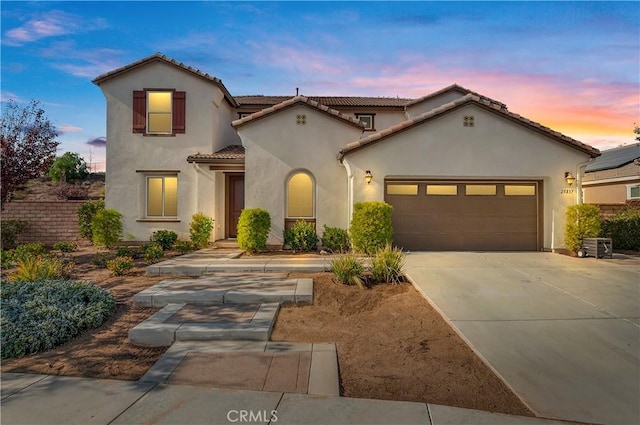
[(40, 399)]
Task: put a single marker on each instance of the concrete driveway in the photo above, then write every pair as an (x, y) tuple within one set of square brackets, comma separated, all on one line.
[(562, 332)]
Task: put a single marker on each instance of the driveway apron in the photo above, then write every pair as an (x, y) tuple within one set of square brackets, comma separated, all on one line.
[(562, 332)]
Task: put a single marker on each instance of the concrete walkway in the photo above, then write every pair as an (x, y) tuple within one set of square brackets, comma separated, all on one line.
[(51, 400), (562, 332), (213, 260)]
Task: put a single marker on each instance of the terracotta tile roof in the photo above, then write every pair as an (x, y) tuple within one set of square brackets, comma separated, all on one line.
[(331, 101), (614, 158), (462, 90), (231, 152), (295, 101), (486, 103), (159, 57)]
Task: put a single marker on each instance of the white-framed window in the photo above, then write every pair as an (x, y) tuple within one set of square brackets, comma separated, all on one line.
[(368, 120), (301, 196), (633, 191), (159, 112), (162, 196)]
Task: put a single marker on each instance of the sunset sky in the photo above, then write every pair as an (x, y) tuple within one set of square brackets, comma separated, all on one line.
[(573, 66)]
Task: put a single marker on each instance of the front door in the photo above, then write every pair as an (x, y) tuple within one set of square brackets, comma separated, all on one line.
[(235, 202)]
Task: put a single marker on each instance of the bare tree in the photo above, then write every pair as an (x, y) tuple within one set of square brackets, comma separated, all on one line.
[(28, 145)]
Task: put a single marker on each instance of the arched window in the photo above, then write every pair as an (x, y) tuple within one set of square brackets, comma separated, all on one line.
[(301, 196)]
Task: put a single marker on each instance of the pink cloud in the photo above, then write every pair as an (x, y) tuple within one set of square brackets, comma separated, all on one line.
[(70, 129), (586, 110), (50, 24)]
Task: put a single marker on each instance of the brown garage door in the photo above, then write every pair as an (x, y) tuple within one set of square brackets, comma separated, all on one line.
[(465, 216)]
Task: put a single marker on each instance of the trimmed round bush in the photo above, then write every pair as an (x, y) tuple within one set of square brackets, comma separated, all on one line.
[(301, 237), (583, 221), (40, 315), (371, 228), (253, 228), (106, 227), (200, 230), (165, 238), (335, 239)]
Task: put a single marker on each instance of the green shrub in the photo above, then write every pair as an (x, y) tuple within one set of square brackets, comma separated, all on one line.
[(301, 237), (28, 250), (335, 239), (40, 315), (6, 258), (124, 251), (184, 246), (583, 221), (348, 269), (65, 246), (40, 267), (253, 229), (371, 227), (101, 259), (165, 238), (86, 212), (200, 230), (106, 227), (387, 265), (623, 229), (9, 231), (120, 265), (152, 252)]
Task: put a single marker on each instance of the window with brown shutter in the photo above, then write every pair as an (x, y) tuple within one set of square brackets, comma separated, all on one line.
[(179, 107), (139, 111), (142, 113)]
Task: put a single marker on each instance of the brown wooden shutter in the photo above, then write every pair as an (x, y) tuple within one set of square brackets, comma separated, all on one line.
[(179, 108), (139, 111)]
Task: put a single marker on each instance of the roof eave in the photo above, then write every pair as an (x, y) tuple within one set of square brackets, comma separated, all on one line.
[(158, 57), (428, 116), (296, 102)]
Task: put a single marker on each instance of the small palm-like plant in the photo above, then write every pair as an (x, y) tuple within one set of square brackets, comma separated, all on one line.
[(387, 265), (348, 269)]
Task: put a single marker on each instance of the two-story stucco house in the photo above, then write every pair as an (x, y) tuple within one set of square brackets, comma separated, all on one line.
[(461, 170), (614, 177)]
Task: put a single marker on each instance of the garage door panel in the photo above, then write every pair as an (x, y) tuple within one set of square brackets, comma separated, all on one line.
[(468, 222)]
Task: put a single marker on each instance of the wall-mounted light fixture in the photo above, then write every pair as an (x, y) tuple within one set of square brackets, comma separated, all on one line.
[(569, 178), (368, 176)]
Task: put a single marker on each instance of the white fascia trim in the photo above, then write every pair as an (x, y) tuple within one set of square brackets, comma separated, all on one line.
[(613, 180)]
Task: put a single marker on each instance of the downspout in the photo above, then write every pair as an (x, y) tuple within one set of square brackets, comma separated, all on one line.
[(579, 174), (347, 167), (198, 170)]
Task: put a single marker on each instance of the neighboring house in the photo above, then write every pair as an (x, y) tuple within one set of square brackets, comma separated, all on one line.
[(460, 169), (614, 177)]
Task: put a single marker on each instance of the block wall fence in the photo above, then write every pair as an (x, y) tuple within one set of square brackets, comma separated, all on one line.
[(57, 221), (47, 221)]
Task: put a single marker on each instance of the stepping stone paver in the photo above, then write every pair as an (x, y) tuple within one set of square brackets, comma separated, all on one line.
[(183, 322)]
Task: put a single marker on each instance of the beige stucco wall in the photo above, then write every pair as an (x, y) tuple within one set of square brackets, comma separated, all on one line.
[(605, 194), (208, 129), (610, 186), (493, 148), (275, 147)]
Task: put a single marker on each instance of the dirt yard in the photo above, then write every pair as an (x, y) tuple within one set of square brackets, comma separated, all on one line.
[(391, 344)]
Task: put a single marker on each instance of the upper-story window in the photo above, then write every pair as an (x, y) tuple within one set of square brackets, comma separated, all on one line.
[(367, 120), (159, 112), (633, 191)]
